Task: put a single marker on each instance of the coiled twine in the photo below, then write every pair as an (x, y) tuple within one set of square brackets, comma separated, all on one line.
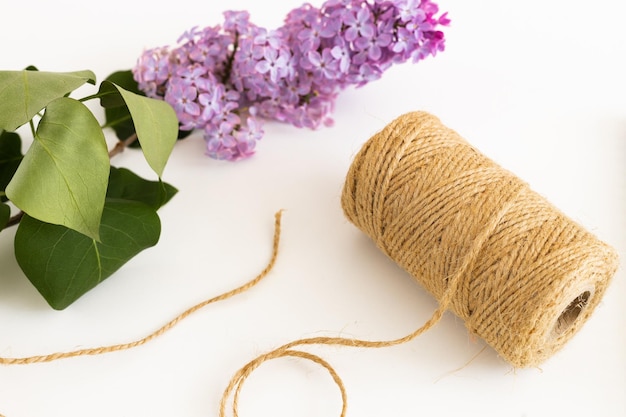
[(521, 275)]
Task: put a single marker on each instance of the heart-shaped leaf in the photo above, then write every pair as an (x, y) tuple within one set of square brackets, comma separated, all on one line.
[(63, 264), (24, 93), (5, 215), (116, 112), (63, 176), (127, 185), (122, 79), (10, 158), (155, 123)]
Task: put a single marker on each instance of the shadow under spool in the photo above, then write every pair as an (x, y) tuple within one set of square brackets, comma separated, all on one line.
[(525, 276)]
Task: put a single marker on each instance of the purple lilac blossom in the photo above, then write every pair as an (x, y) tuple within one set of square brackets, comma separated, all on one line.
[(226, 79)]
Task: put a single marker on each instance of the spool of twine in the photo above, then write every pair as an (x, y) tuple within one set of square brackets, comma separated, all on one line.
[(521, 275)]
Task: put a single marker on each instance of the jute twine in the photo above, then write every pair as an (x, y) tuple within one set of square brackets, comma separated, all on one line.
[(166, 327), (521, 275)]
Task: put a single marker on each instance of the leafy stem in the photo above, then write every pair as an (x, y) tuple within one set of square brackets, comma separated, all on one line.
[(119, 146), (64, 188), (32, 127), (13, 221), (117, 121), (99, 94)]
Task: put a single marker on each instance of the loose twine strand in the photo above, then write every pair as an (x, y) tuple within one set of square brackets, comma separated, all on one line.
[(168, 326), (287, 350)]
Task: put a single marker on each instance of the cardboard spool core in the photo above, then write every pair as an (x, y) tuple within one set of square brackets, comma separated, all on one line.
[(572, 311)]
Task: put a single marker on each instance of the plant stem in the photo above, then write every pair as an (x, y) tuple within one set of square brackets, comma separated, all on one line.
[(32, 127), (229, 61), (14, 220), (97, 95), (115, 122), (119, 146)]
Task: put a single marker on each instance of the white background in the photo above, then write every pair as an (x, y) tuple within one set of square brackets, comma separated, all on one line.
[(538, 86)]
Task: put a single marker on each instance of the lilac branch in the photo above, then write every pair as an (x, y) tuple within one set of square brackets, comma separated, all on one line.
[(292, 74)]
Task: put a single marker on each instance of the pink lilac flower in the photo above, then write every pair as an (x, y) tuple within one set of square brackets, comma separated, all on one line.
[(359, 23), (183, 98), (410, 10), (224, 79), (366, 74), (372, 47), (237, 21), (274, 62), (323, 65), (264, 41), (211, 101), (404, 42), (342, 55)]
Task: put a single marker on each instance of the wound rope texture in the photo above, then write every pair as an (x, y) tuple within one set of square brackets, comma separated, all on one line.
[(528, 276)]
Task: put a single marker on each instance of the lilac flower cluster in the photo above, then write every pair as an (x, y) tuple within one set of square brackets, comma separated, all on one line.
[(226, 79)]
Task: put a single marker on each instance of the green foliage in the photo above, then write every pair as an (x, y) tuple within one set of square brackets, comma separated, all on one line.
[(63, 264), (155, 123), (115, 110), (83, 219), (5, 215), (10, 158), (125, 184), (63, 176), (26, 93)]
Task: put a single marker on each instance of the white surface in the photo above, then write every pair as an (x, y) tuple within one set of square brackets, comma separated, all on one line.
[(537, 86)]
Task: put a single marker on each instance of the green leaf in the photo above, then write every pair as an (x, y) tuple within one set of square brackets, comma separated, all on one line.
[(116, 112), (155, 122), (63, 177), (10, 158), (119, 119), (63, 264), (24, 93), (110, 95), (125, 184), (5, 215), (122, 79)]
